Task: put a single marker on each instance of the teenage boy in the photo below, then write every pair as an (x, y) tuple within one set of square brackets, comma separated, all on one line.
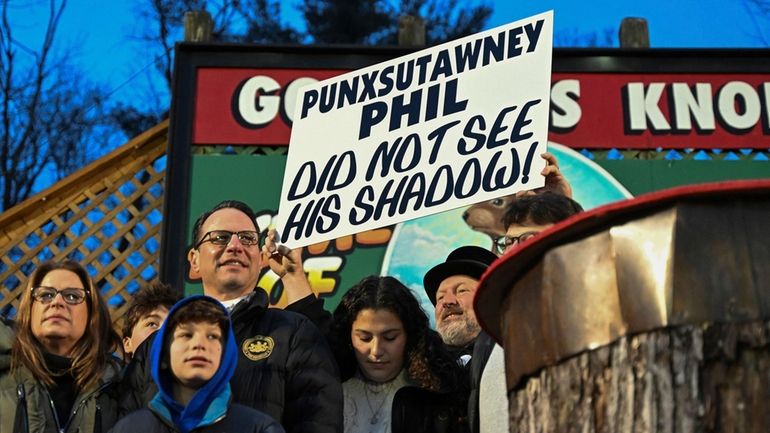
[(146, 312), (193, 357), (530, 215)]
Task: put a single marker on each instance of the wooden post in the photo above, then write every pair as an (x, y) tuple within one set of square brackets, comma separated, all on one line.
[(197, 26), (634, 33), (411, 31)]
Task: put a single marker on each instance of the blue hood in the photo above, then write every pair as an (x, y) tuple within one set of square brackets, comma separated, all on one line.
[(211, 401)]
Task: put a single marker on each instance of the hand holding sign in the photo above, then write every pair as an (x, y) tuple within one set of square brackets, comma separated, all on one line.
[(554, 179), (441, 128), (287, 264)]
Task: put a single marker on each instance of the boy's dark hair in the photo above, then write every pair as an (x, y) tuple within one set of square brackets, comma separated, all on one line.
[(197, 311), (540, 209), (227, 204), (145, 300)]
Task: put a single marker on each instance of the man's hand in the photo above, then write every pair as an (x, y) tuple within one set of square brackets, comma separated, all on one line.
[(287, 264), (554, 180)]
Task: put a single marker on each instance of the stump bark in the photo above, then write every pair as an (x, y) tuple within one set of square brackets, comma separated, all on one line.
[(707, 378)]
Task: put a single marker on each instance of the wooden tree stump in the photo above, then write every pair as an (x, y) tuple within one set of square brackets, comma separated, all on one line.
[(711, 378), (640, 317)]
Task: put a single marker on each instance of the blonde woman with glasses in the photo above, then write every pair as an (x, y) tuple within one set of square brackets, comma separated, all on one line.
[(57, 371)]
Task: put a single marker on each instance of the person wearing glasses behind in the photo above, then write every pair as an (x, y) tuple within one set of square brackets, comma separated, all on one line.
[(56, 366), (528, 215), (285, 367)]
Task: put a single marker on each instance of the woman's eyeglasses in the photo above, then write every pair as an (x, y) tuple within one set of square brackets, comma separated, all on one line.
[(71, 295)]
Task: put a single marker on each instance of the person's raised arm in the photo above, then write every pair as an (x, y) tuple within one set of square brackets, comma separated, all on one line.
[(287, 264)]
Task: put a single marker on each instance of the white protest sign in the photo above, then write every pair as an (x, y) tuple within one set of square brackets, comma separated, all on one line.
[(444, 127)]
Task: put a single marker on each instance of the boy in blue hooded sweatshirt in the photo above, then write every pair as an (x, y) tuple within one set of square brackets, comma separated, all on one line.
[(193, 358)]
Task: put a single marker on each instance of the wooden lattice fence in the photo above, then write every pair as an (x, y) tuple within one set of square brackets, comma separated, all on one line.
[(107, 216)]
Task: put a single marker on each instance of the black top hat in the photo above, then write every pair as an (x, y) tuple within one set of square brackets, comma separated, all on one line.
[(469, 260)]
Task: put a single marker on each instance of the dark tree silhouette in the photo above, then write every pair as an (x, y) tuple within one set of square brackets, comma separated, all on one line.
[(348, 21), (133, 121), (326, 21), (261, 18), (258, 21), (374, 22), (234, 21), (759, 12), (51, 120), (446, 20)]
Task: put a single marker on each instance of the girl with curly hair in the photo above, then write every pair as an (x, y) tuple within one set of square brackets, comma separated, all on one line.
[(397, 374)]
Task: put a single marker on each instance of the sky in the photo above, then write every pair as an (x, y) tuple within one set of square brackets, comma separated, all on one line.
[(104, 32), (672, 23), (102, 35)]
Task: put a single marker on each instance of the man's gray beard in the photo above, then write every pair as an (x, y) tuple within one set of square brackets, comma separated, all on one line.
[(459, 333)]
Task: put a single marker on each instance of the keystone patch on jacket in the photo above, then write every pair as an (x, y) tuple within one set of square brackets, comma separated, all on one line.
[(257, 347)]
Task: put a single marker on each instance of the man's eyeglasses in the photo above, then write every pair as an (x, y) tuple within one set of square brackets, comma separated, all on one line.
[(71, 295), (501, 243), (222, 237)]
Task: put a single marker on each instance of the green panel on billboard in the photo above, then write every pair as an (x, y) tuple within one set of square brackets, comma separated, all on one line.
[(642, 176)]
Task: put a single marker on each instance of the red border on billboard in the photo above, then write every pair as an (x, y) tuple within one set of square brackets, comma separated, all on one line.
[(590, 110)]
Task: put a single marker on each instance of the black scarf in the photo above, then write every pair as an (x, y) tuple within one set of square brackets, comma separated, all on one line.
[(64, 391)]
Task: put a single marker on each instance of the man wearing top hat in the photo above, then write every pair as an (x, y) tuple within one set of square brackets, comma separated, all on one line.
[(451, 287)]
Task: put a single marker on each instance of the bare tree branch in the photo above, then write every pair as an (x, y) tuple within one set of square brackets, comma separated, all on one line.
[(49, 112), (759, 10)]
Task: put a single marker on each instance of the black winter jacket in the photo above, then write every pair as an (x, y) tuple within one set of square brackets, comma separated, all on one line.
[(285, 369), (238, 416), (312, 307), (417, 410)]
